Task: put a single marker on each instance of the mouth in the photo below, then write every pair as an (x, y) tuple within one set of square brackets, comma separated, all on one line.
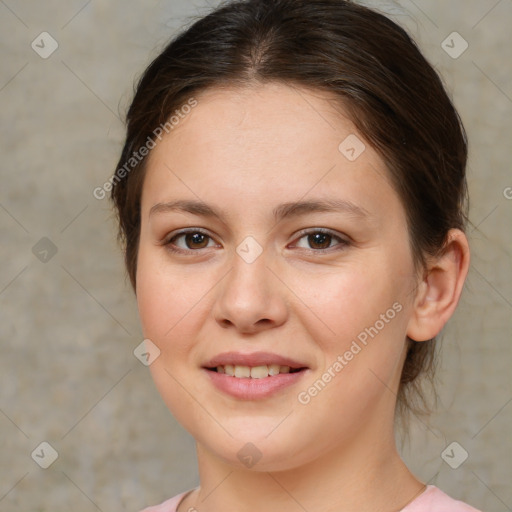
[(253, 376), (254, 372), (257, 365)]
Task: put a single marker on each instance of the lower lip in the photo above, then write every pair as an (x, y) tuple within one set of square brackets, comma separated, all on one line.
[(253, 389)]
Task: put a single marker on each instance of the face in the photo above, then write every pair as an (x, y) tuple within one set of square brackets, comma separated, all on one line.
[(273, 247)]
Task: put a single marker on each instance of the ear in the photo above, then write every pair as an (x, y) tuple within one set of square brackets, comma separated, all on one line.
[(439, 290)]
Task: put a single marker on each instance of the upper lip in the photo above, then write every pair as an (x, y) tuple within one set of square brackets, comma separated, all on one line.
[(253, 359)]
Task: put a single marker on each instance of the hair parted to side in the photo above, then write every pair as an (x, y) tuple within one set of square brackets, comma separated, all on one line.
[(363, 59)]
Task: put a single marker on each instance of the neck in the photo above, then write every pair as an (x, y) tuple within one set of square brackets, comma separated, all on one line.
[(363, 475)]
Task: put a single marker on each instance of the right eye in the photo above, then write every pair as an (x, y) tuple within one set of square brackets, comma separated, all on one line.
[(189, 240)]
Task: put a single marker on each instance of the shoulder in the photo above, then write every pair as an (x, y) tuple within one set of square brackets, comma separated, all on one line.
[(435, 500), (169, 505)]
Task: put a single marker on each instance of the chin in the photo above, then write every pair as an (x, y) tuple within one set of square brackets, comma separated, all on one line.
[(254, 448)]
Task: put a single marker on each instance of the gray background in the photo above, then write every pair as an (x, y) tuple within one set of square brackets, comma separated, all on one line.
[(68, 325)]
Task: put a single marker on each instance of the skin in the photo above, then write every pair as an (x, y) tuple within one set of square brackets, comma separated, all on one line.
[(244, 152)]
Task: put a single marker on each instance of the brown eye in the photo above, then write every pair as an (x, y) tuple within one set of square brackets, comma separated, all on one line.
[(196, 240), (319, 240), (190, 241)]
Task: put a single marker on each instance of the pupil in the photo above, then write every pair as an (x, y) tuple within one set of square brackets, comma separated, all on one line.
[(319, 240), (196, 239)]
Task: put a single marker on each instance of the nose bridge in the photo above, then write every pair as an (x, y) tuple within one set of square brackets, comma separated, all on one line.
[(250, 297), (248, 283), (250, 272)]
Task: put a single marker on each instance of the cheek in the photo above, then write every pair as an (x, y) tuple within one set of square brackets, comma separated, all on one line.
[(174, 303), (361, 360), (342, 303), (164, 295), (359, 324), (169, 305)]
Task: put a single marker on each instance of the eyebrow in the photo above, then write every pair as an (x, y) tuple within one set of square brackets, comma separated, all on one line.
[(284, 210), (294, 209)]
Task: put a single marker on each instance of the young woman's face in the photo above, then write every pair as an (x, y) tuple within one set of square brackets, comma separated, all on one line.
[(271, 238)]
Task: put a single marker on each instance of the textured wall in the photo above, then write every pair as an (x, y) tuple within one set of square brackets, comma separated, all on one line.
[(68, 321)]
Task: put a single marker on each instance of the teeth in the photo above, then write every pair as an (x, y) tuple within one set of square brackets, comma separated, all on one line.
[(242, 372), (259, 372), (255, 372), (273, 369)]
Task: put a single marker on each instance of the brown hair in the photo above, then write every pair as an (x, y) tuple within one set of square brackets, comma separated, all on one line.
[(392, 94)]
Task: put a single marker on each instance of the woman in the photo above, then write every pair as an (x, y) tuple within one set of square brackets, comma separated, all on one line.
[(291, 198)]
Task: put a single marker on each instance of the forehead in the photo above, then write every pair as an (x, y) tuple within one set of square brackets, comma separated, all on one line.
[(265, 141), (274, 116)]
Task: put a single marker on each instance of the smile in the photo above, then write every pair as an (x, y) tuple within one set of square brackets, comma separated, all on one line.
[(253, 376), (255, 372)]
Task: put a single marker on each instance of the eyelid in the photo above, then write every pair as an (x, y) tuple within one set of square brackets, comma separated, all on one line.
[(343, 240), (184, 231)]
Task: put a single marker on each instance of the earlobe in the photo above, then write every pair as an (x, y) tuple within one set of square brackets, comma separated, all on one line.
[(439, 291)]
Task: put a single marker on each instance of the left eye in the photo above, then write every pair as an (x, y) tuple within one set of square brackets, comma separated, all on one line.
[(319, 240), (191, 240)]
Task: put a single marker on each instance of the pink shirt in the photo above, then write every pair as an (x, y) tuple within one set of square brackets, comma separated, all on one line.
[(431, 500)]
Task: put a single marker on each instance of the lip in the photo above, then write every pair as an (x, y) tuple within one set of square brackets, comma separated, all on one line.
[(249, 388), (253, 389), (252, 359)]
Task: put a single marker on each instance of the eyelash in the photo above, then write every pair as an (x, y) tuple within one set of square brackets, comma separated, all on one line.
[(342, 242)]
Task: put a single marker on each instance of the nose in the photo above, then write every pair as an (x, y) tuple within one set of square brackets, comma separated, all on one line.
[(250, 298)]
